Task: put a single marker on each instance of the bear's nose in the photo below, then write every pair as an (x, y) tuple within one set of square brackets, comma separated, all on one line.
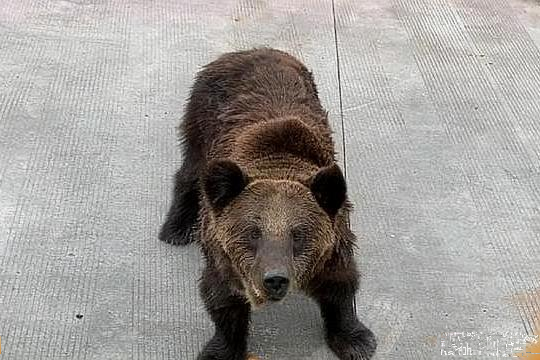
[(276, 285)]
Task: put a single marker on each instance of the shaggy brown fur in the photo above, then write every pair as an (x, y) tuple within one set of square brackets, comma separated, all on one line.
[(261, 192)]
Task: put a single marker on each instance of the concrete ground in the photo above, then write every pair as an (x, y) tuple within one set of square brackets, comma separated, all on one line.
[(436, 111)]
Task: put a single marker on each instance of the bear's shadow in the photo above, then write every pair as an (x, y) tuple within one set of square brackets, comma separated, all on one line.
[(290, 329)]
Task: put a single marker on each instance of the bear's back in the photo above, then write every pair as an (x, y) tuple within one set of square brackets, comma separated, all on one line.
[(248, 87)]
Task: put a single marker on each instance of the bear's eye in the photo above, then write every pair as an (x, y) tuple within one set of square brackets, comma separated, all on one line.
[(251, 236), (299, 237)]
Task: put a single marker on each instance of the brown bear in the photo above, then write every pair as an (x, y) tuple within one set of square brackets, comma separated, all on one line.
[(260, 191)]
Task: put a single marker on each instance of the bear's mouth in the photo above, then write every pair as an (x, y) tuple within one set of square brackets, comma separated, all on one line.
[(275, 298), (255, 297)]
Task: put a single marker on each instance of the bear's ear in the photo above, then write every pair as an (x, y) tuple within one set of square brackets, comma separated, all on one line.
[(329, 188), (222, 182)]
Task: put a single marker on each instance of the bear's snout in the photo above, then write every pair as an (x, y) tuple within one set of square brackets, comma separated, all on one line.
[(276, 285)]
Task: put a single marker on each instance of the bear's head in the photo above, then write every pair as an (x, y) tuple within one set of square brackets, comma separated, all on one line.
[(274, 232)]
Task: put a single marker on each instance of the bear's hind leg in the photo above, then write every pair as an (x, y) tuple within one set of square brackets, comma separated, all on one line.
[(184, 211)]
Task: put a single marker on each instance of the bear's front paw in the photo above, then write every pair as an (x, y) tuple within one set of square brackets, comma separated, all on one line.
[(356, 344), (218, 349)]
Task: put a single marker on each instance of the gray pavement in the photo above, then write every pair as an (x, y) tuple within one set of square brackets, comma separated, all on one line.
[(436, 111)]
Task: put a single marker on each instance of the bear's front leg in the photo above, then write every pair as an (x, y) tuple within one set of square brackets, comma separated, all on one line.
[(346, 336), (230, 314)]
